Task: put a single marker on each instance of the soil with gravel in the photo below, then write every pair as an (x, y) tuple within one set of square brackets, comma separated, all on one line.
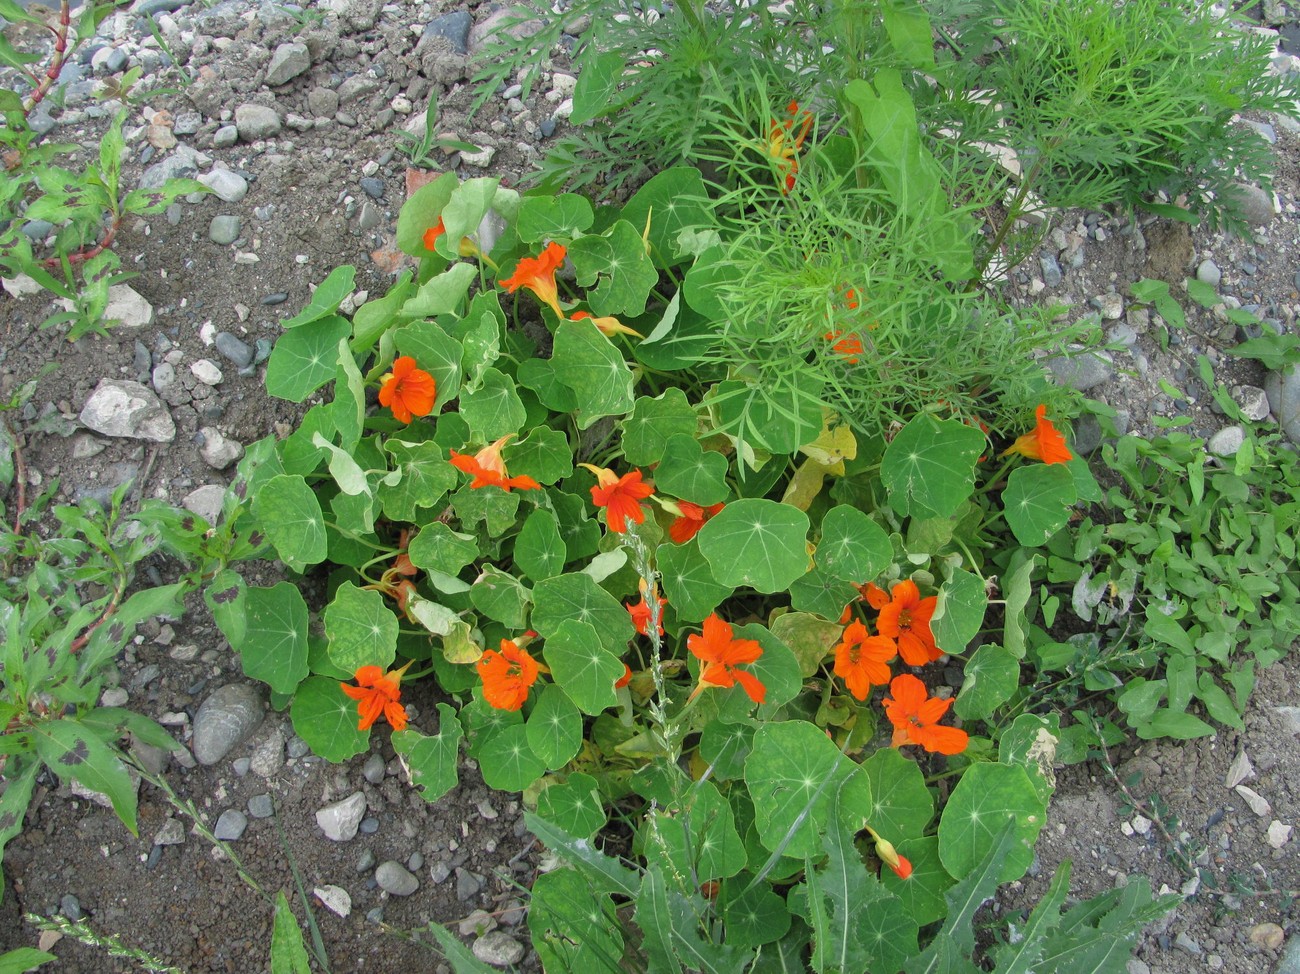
[(324, 190)]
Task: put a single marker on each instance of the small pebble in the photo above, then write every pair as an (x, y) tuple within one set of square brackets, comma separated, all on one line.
[(260, 806), (230, 825), (370, 825)]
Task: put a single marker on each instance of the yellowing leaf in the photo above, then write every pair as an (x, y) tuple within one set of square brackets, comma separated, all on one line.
[(833, 445)]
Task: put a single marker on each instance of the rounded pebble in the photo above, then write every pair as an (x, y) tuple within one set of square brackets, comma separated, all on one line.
[(396, 879), (226, 718), (230, 825)]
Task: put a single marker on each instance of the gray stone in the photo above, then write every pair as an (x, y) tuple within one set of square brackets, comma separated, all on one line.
[(261, 806), (225, 137), (1227, 441), (468, 885), (70, 907), (1253, 402), (1284, 399), (1110, 305), (230, 825), (146, 8), (373, 187), (224, 229), (366, 861), (297, 747), (207, 372), (370, 216), (206, 502), (187, 123), (373, 769), (336, 899), (268, 759), (128, 308), (288, 61), (119, 407), (256, 122), (340, 820), (480, 159), (218, 450), (439, 872), (114, 697), (498, 949), (1207, 272), (171, 833), (233, 349), (453, 27), (1083, 370), (225, 719), (1051, 270), (1254, 204), (395, 879), (183, 162), (229, 187), (357, 86), (323, 102)]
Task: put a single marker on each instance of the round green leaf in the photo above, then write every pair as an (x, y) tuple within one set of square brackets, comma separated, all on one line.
[(580, 664), (900, 804), (809, 637), (777, 669), (538, 374), (501, 596), (327, 719), (823, 593), (853, 546), (652, 423), (1037, 501), (778, 417), (1030, 742), (421, 211), (555, 727), (589, 364), (362, 630), (433, 760), (671, 201), (922, 893), (617, 264), (274, 648), (438, 548), (425, 476), (985, 798), (306, 358), (929, 468), (290, 514), (560, 217), (688, 581), (989, 679), (441, 294), (754, 916), (507, 762), (756, 542), (493, 506), (959, 612), (793, 773), (573, 805), (494, 408), (726, 745), (692, 473), (577, 598), (544, 455), (539, 549)]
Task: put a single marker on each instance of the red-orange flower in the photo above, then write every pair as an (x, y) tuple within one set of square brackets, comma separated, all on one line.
[(721, 655), (1045, 443), (537, 274), (378, 694), (849, 347), (607, 326), (640, 613), (783, 144), (887, 854), (906, 618), (915, 716), (625, 679), (620, 496), (408, 391), (489, 469), (433, 233), (507, 675), (693, 517), (862, 660)]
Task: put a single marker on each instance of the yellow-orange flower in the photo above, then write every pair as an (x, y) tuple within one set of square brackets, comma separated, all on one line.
[(620, 496), (489, 469), (887, 854), (640, 613), (408, 391), (537, 274), (377, 695), (915, 716), (1045, 443), (693, 517), (783, 143), (848, 348), (861, 660), (906, 619), (721, 655), (507, 675)]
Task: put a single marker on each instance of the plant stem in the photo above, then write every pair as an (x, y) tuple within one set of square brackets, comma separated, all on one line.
[(56, 63)]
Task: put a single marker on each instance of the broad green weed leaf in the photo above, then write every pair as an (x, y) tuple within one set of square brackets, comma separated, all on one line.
[(435, 352), (908, 28), (1175, 724), (327, 297), (361, 628), (288, 954), (576, 598), (986, 797), (672, 201), (758, 543), (1037, 501), (573, 927), (688, 581), (539, 549), (555, 728), (288, 511), (688, 471), (22, 959), (582, 665), (72, 750), (989, 679), (617, 264), (696, 831), (930, 466), (852, 546), (793, 772), (508, 762), (224, 597), (306, 358), (589, 364), (274, 648), (573, 805), (603, 872), (494, 409), (13, 805), (433, 759), (501, 596), (560, 217), (653, 422), (326, 719), (655, 921)]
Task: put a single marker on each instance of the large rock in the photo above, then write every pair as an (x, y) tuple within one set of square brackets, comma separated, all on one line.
[(256, 122), (119, 407), (1283, 390), (127, 308), (288, 61), (226, 719)]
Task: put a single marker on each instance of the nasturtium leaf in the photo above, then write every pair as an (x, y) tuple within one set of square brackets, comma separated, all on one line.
[(501, 596), (672, 201), (573, 805), (778, 416), (425, 479), (589, 364), (959, 612), (929, 468), (810, 638), (327, 297), (538, 374), (697, 833), (725, 746), (754, 916), (777, 669), (495, 507), (582, 665), (901, 805), (617, 264), (575, 597), (361, 628), (274, 647), (688, 581), (1037, 501), (327, 719), (348, 410), (581, 534), (989, 678), (544, 454), (922, 893), (288, 511), (1030, 742), (822, 593), (1017, 587), (441, 294), (539, 549), (688, 471), (482, 721), (507, 761), (437, 618), (647, 430), (421, 211), (573, 927), (73, 751), (435, 352), (305, 359), (555, 729), (793, 772), (758, 543), (433, 759), (470, 203), (554, 217), (439, 548), (852, 546), (494, 408), (481, 344), (374, 318), (986, 796), (345, 470)]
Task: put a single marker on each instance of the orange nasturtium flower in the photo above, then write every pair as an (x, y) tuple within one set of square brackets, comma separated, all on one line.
[(915, 716), (433, 233), (408, 391), (887, 854), (607, 326), (848, 348), (862, 660), (640, 613), (906, 618), (507, 675), (692, 517), (489, 469), (537, 274), (378, 694), (783, 143), (625, 679), (721, 654), (1045, 443), (620, 496)]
